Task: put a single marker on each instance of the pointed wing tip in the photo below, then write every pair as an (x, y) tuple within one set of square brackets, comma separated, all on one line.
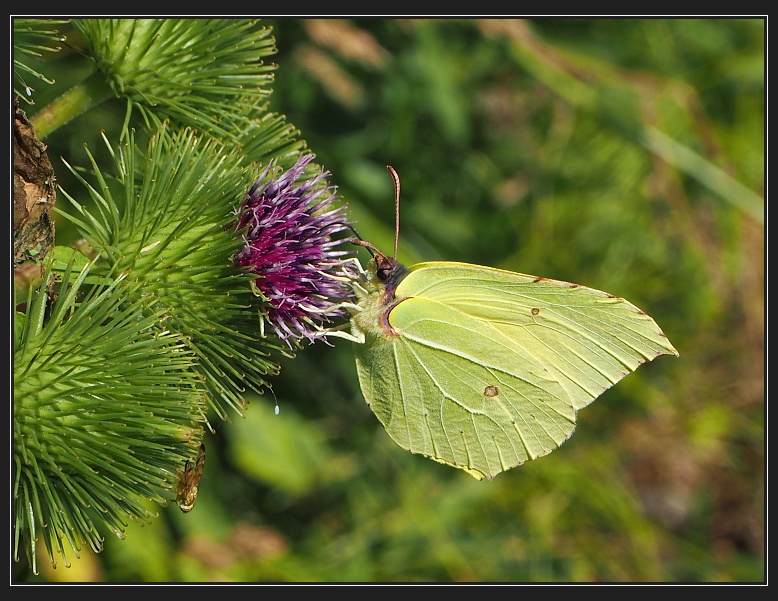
[(668, 349), (667, 345), (478, 474), (473, 471)]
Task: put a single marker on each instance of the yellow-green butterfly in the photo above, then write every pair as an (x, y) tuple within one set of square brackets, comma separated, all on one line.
[(483, 369)]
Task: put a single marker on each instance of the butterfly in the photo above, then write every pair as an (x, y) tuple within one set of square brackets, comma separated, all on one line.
[(483, 369)]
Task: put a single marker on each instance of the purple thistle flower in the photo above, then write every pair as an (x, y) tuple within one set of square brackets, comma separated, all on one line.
[(288, 227)]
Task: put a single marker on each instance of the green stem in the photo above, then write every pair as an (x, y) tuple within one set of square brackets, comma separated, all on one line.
[(89, 93)]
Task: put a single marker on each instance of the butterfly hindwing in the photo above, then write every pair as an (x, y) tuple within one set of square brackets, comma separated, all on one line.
[(452, 388)]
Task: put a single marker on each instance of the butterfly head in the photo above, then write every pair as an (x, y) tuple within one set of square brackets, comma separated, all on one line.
[(388, 272), (385, 267)]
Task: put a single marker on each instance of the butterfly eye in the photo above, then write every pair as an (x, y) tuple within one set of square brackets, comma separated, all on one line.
[(385, 267), (383, 274)]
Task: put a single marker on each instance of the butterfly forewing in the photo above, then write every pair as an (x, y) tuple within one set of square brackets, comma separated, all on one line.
[(586, 339)]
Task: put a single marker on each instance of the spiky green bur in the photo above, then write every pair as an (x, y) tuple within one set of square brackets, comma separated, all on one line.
[(166, 229), (162, 65), (106, 406)]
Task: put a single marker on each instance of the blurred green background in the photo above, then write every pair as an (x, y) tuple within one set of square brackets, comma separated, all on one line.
[(623, 154)]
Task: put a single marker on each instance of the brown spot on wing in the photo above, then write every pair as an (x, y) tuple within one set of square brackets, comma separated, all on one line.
[(491, 391)]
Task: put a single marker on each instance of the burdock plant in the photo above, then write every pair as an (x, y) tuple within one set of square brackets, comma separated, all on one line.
[(131, 342)]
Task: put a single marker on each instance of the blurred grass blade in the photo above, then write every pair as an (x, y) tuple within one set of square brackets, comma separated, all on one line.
[(692, 164)]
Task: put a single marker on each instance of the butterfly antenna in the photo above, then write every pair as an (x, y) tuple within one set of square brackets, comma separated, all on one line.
[(396, 179), (385, 265)]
